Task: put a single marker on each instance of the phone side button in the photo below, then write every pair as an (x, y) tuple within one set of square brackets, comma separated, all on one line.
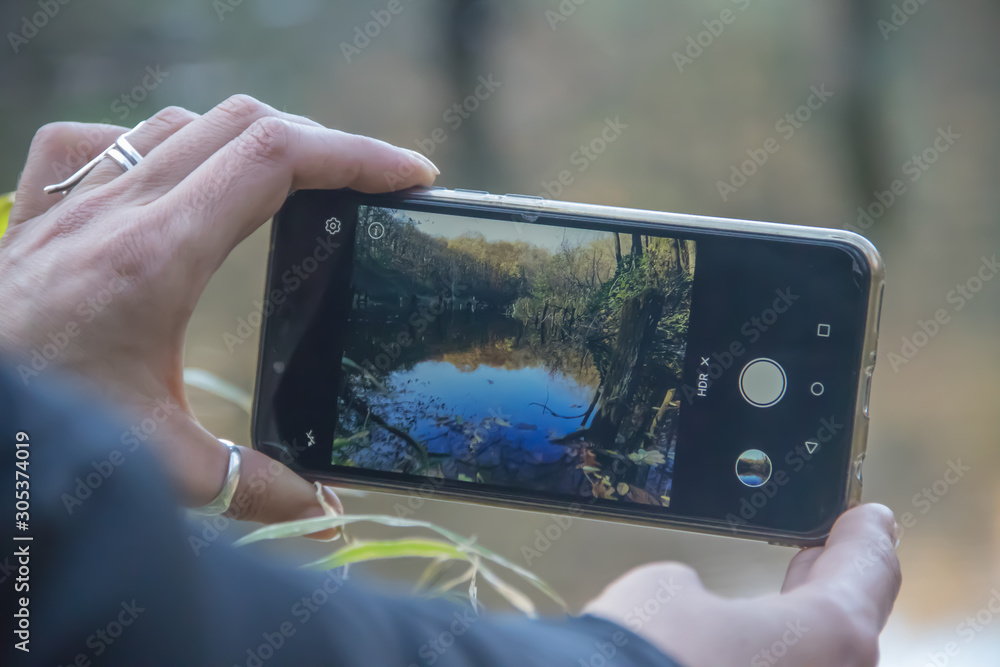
[(878, 308), (868, 390), (523, 196)]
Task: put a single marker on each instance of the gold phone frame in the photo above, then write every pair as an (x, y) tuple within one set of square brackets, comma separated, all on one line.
[(532, 207)]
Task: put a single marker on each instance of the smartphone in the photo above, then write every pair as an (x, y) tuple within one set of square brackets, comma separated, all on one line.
[(670, 370)]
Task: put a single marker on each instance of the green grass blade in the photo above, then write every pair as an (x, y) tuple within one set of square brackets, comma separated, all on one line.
[(6, 203), (213, 384), (307, 526), (516, 598), (430, 573), (446, 586), (360, 552)]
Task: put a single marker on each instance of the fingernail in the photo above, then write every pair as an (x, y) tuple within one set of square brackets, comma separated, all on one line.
[(899, 535), (426, 160), (330, 506), (333, 500), (326, 539)]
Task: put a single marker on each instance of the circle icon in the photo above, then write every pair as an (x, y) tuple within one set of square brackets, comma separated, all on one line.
[(753, 468), (817, 389), (763, 382), (376, 230)]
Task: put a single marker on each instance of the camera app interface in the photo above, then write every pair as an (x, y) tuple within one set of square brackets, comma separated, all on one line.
[(524, 356)]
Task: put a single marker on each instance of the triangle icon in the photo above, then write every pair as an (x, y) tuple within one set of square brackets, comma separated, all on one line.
[(811, 446)]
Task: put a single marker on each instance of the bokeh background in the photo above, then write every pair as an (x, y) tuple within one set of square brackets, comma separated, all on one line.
[(899, 73)]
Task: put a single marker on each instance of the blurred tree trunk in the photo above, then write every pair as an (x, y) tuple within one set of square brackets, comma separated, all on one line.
[(467, 42), (863, 51)]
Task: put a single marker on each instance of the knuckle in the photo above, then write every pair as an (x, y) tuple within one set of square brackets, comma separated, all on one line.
[(52, 134), (881, 516), (265, 139), (892, 565), (79, 214), (173, 117), (352, 171), (881, 553), (131, 254), (802, 555), (243, 108), (248, 503)]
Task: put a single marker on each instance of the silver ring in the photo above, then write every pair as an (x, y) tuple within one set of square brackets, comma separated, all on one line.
[(126, 148), (122, 152), (220, 504), (116, 155)]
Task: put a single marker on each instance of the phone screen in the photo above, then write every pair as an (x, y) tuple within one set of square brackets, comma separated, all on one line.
[(641, 369), (534, 357)]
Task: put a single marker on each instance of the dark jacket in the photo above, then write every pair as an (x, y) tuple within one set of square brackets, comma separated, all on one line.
[(110, 576)]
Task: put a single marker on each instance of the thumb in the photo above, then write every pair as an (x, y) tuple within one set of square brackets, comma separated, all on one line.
[(270, 492)]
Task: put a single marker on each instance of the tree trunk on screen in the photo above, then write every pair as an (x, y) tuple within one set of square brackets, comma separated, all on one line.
[(637, 246), (640, 316)]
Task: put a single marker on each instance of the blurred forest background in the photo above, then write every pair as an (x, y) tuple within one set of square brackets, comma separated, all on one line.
[(683, 94)]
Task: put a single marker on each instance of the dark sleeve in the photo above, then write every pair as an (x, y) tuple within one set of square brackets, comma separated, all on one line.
[(113, 575)]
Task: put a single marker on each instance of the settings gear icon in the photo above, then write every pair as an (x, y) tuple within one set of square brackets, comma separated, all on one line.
[(333, 226)]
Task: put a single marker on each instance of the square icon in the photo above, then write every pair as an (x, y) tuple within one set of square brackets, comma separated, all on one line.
[(823, 331)]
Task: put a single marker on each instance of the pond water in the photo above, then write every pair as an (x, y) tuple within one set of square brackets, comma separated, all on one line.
[(499, 402), (483, 422), (491, 399)]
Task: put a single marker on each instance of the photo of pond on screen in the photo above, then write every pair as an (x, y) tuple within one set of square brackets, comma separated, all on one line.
[(529, 356)]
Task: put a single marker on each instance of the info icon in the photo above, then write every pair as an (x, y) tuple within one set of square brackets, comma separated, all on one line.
[(376, 230)]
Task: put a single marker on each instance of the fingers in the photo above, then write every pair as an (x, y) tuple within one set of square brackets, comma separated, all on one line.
[(184, 150), (145, 140), (60, 149), (243, 184), (269, 492), (858, 565), (798, 568), (57, 151)]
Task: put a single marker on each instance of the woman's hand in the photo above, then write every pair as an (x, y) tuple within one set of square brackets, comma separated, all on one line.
[(833, 605), (103, 281)]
